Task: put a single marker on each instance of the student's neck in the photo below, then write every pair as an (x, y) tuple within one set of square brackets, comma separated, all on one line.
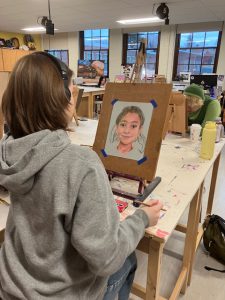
[(124, 148)]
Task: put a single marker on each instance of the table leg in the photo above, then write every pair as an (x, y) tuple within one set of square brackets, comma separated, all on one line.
[(195, 237), (191, 235), (212, 185), (90, 105), (154, 268)]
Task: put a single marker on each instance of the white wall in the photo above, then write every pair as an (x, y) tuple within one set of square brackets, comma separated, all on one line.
[(167, 45), (115, 52), (64, 41), (59, 41), (73, 47), (70, 41)]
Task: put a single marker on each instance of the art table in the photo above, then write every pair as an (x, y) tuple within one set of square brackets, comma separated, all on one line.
[(183, 174), (86, 109)]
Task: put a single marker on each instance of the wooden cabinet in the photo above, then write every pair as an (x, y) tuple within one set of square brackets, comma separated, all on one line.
[(176, 117), (1, 61), (8, 58), (4, 78)]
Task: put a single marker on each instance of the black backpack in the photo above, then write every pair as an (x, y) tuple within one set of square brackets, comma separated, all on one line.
[(214, 238)]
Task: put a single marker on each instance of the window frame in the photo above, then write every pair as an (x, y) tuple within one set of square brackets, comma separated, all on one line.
[(177, 48), (60, 51), (125, 48), (82, 48)]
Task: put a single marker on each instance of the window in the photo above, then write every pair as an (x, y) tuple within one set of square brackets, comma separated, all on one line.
[(196, 52), (94, 45), (63, 55), (131, 43)]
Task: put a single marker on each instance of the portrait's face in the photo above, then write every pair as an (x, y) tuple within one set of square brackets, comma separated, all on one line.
[(129, 128)]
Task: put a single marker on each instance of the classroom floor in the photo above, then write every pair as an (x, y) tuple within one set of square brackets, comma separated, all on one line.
[(205, 284)]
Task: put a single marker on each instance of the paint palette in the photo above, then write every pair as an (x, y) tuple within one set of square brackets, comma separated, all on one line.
[(121, 205)]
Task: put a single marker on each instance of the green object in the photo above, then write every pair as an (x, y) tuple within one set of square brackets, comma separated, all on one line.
[(208, 112), (195, 90), (214, 237)]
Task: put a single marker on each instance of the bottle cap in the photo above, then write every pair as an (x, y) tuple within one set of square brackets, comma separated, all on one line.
[(218, 119), (210, 125), (196, 126)]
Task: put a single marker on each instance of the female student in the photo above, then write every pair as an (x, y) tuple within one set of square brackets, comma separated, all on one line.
[(102, 81), (64, 238), (201, 108)]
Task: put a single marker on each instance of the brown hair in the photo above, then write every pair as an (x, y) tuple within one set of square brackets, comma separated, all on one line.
[(131, 109), (35, 97)]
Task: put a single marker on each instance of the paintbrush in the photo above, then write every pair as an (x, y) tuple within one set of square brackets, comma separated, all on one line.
[(146, 204)]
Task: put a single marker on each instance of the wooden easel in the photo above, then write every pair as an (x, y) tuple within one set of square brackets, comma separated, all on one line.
[(139, 171), (176, 117), (139, 63)]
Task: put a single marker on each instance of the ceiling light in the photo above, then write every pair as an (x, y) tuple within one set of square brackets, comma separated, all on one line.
[(140, 21), (35, 29)]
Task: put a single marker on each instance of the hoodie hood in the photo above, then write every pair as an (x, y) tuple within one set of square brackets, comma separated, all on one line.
[(21, 159)]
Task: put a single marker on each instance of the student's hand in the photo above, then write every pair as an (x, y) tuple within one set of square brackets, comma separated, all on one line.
[(153, 212)]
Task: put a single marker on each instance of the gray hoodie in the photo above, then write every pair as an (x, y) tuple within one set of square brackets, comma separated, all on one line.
[(63, 236)]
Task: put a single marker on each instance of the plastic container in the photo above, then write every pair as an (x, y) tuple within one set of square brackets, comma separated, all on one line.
[(219, 129), (195, 132), (208, 140)]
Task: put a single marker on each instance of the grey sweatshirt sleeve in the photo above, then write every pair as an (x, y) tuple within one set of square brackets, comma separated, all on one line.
[(97, 233)]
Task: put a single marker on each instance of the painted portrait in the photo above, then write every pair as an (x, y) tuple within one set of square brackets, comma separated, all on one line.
[(128, 129)]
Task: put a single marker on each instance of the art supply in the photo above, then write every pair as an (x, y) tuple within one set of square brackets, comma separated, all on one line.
[(121, 205), (208, 140), (149, 188), (195, 132), (146, 204), (147, 191), (219, 129)]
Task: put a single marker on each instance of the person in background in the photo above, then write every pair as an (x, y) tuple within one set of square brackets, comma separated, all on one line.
[(200, 107), (98, 66), (101, 84), (63, 238), (102, 81), (221, 99)]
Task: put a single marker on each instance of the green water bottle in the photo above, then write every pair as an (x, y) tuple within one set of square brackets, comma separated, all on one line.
[(208, 140)]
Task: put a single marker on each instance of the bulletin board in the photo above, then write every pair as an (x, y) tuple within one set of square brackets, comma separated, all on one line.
[(132, 115)]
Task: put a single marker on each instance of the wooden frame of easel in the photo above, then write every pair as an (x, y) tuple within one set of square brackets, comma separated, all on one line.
[(133, 93), (139, 64)]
